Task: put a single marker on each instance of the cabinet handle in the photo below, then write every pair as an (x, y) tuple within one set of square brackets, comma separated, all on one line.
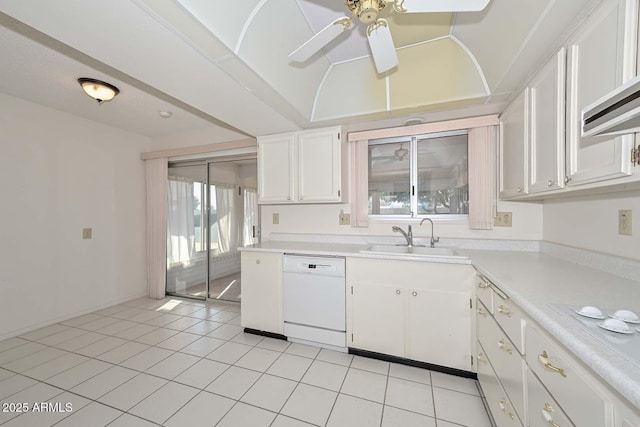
[(502, 346), (550, 183), (504, 310), (481, 358), (398, 291), (481, 312), (257, 261), (519, 190), (503, 407), (544, 359), (483, 285), (414, 293), (288, 197), (546, 414)]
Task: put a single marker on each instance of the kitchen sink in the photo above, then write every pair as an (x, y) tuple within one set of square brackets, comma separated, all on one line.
[(412, 251)]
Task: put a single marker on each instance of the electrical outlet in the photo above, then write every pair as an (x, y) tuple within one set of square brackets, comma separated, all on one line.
[(276, 218), (625, 222), (503, 219), (87, 233), (344, 218)]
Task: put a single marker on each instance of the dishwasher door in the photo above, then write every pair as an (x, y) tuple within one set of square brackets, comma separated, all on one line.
[(314, 292)]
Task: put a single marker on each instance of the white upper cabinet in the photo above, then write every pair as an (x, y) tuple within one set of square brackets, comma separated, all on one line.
[(546, 126), (276, 166), (514, 135), (601, 56), (302, 167)]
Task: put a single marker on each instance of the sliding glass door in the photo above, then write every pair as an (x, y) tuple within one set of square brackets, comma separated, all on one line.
[(212, 212), (186, 231)]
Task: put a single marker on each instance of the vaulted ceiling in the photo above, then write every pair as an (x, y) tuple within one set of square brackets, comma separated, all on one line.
[(224, 63)]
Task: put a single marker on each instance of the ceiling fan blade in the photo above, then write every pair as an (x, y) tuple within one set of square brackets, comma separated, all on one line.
[(382, 48), (320, 40), (421, 6)]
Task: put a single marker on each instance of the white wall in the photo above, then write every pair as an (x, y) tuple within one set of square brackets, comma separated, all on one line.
[(323, 219), (592, 223), (209, 135), (60, 173)]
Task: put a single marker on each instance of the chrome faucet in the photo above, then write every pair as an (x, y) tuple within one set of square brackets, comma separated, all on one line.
[(434, 240), (407, 235)]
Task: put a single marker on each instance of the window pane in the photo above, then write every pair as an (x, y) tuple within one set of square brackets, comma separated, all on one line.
[(442, 186), (389, 179)]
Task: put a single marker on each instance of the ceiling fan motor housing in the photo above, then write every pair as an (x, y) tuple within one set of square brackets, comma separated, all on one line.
[(366, 10)]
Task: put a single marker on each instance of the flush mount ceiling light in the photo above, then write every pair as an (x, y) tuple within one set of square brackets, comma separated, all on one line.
[(98, 90), (369, 12)]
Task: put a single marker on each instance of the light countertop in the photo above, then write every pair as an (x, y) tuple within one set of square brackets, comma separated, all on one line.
[(534, 281)]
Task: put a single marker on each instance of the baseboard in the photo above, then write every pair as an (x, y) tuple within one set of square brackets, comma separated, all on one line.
[(265, 334), (411, 362)]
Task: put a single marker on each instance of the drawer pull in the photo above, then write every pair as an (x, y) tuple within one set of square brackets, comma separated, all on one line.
[(544, 359), (504, 310), (481, 312), (546, 414), (481, 358), (257, 261), (414, 293), (503, 407), (398, 291), (503, 347)]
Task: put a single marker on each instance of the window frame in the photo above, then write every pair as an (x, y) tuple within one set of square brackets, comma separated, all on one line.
[(412, 140)]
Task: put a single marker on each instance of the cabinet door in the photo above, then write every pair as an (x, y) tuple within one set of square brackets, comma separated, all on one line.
[(261, 306), (546, 129), (601, 56), (276, 169), (319, 166), (438, 327), (513, 148), (377, 318)]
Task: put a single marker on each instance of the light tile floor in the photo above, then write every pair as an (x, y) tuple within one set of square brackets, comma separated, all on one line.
[(187, 363)]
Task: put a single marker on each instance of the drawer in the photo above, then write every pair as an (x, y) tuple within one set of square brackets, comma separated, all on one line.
[(507, 363), (543, 410), (510, 319), (484, 292), (568, 385), (497, 400), (481, 309)]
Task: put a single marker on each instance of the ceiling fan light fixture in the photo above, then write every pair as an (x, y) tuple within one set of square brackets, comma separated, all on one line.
[(98, 90)]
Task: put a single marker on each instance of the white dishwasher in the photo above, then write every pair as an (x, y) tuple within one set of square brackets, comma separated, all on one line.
[(314, 300)]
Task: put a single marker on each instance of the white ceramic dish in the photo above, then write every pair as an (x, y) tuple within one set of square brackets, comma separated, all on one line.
[(626, 316), (615, 325), (635, 322), (590, 312)]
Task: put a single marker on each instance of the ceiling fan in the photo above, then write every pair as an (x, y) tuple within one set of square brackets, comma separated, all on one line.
[(378, 33), (400, 154)]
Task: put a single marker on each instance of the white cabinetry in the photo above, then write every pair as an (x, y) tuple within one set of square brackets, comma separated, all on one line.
[(514, 135), (261, 307), (546, 128), (302, 167), (416, 310), (601, 56)]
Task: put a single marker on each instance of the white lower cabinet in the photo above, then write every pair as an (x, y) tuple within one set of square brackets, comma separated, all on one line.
[(415, 310), (543, 409), (506, 361), (497, 398), (261, 306), (530, 379)]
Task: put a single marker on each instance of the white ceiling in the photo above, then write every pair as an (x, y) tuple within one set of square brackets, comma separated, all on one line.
[(222, 65)]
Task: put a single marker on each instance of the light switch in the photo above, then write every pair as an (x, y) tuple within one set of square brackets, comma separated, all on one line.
[(276, 218), (625, 222), (87, 233)]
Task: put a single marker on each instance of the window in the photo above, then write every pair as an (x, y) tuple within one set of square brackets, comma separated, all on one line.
[(419, 175)]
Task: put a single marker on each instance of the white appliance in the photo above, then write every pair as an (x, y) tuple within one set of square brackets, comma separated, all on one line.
[(618, 112), (314, 300)]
